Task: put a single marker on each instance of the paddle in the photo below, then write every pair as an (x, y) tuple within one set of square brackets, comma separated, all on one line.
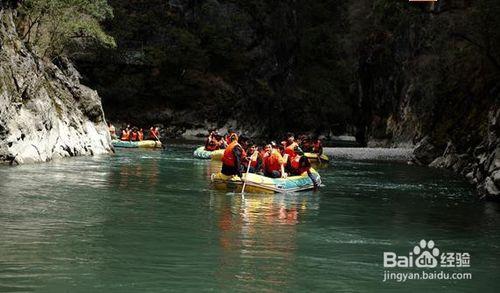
[(283, 173), (158, 140), (253, 158), (319, 158), (315, 184)]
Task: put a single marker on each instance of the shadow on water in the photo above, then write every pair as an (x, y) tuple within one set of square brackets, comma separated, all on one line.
[(150, 221)]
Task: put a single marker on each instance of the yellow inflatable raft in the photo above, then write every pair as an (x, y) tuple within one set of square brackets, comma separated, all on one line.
[(259, 184), (313, 158)]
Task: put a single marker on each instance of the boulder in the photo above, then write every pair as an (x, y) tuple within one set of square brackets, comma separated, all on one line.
[(496, 178), (470, 177), (489, 187), (425, 152)]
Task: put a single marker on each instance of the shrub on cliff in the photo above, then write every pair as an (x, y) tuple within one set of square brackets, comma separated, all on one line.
[(54, 27)]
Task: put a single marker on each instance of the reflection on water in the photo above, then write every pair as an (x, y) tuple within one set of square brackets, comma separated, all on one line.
[(150, 221), (128, 175), (255, 228)]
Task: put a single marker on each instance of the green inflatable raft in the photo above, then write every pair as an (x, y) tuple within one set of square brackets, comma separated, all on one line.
[(201, 153)]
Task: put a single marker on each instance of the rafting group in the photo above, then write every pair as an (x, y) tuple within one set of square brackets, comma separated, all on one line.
[(273, 167), (133, 137), (280, 167)]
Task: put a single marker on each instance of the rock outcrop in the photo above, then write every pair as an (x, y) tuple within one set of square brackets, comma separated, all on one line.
[(45, 113), (480, 166)]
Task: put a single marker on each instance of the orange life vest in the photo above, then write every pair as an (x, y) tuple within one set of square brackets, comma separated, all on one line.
[(295, 163), (253, 164), (140, 134), (228, 158), (153, 134), (134, 136), (125, 135), (297, 169), (273, 161), (290, 151)]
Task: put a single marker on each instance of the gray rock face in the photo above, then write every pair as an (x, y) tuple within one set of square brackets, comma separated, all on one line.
[(489, 188), (425, 152), (45, 113), (481, 166), (496, 178)]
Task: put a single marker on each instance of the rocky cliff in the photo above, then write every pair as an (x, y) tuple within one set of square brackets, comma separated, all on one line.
[(479, 164), (45, 113), (429, 76)]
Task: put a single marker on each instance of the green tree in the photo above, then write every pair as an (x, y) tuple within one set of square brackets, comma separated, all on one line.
[(54, 27)]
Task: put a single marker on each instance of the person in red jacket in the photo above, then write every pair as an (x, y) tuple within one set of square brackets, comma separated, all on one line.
[(154, 133), (290, 147), (125, 134), (231, 160), (255, 165), (318, 147), (227, 138), (211, 143), (140, 134), (299, 165), (134, 136)]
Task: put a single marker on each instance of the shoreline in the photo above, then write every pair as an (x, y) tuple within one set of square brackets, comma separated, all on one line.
[(374, 154)]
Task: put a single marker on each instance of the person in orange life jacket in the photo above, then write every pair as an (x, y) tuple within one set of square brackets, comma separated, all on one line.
[(292, 148), (227, 138), (208, 140), (134, 135), (125, 134), (211, 143), (140, 134), (265, 152), (274, 162), (318, 147), (221, 142), (301, 164), (255, 166), (154, 133), (231, 160)]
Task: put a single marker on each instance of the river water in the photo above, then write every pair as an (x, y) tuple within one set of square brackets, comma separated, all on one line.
[(149, 221)]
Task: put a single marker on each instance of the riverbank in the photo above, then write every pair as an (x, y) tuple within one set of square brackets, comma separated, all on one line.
[(368, 154)]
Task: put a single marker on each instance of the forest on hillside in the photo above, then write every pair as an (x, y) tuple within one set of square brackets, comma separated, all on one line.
[(388, 70)]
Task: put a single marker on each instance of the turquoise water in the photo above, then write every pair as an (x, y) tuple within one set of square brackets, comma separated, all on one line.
[(149, 221)]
